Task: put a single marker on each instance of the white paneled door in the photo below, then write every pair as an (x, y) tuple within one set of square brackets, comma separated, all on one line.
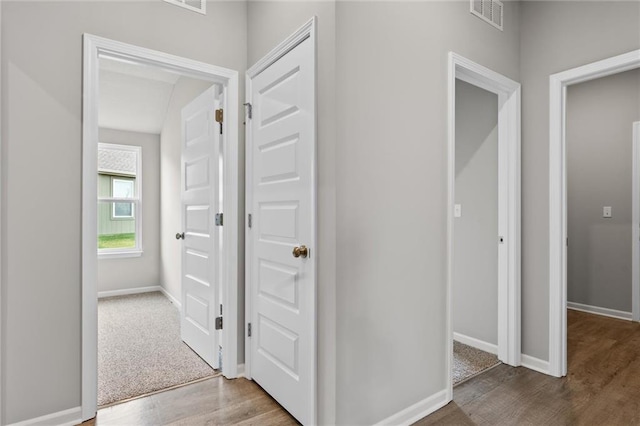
[(200, 236), (282, 252)]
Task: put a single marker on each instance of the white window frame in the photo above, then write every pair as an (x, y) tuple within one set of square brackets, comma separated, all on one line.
[(137, 205), (113, 206)]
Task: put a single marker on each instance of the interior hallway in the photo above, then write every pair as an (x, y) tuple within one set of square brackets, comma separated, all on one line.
[(602, 386)]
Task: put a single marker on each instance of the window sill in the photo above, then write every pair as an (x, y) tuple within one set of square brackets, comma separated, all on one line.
[(119, 254)]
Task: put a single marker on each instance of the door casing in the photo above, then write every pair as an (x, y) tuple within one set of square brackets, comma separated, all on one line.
[(95, 47), (508, 91), (635, 223), (558, 84), (307, 31)]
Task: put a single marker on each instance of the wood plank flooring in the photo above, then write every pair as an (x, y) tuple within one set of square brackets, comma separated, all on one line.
[(602, 386), (215, 401)]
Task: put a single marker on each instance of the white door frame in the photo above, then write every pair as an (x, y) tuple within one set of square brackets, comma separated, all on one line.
[(635, 223), (508, 92), (308, 30), (558, 84), (95, 47)]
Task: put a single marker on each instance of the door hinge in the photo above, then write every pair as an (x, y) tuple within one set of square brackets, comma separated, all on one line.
[(219, 219), (567, 241), (249, 220), (220, 117), (249, 110), (249, 329), (218, 323)]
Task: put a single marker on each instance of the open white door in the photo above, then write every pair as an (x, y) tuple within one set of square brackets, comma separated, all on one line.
[(281, 237), (200, 235)]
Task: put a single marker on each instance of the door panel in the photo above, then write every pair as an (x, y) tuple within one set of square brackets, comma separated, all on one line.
[(283, 294), (200, 247)]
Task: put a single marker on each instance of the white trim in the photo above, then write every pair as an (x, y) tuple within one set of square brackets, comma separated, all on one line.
[(95, 47), (105, 254), (509, 216), (476, 343), (68, 417), (417, 411), (308, 30), (606, 312), (241, 370), (173, 300), (635, 225), (301, 34), (558, 196), (127, 291), (535, 364), (1, 238)]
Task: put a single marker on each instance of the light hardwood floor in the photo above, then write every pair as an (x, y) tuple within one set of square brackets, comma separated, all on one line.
[(215, 401), (602, 386)]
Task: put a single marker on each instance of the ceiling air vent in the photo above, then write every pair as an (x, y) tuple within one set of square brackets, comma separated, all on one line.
[(199, 6), (489, 11)]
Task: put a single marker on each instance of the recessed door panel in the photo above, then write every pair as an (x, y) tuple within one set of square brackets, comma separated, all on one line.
[(197, 219), (279, 282), (279, 345), (279, 220), (281, 98)]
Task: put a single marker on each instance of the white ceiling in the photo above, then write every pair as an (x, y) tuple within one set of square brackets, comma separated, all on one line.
[(134, 97)]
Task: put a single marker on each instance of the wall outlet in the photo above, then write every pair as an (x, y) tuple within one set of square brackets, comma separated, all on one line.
[(606, 211), (457, 210)]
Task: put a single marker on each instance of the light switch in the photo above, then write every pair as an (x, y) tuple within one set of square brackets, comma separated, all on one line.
[(606, 211), (457, 210)]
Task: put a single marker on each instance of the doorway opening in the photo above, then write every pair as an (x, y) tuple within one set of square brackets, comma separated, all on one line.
[(475, 277), (143, 341), (488, 151), (558, 201), (159, 186)]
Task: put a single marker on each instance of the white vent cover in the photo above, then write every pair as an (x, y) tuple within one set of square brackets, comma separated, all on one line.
[(489, 11), (199, 6)]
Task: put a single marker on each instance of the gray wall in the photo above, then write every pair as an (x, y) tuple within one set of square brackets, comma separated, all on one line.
[(143, 271), (41, 137), (475, 276), (185, 91), (391, 171), (269, 23), (556, 36), (600, 114)]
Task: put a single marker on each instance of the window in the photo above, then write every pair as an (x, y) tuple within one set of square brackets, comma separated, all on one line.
[(119, 200), (121, 188)]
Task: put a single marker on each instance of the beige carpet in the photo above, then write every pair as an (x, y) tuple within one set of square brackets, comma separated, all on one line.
[(469, 361), (140, 350)]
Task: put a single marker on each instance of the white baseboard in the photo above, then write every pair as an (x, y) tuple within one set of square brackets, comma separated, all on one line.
[(241, 370), (70, 417), (612, 313), (170, 297), (535, 364), (417, 411), (476, 343), (126, 291)]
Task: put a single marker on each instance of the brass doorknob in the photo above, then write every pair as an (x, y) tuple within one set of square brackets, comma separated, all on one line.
[(301, 251), (180, 235)]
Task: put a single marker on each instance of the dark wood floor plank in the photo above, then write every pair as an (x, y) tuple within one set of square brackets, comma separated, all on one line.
[(602, 386)]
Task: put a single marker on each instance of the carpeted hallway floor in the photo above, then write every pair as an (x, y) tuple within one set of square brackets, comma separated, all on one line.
[(469, 361), (140, 350)]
